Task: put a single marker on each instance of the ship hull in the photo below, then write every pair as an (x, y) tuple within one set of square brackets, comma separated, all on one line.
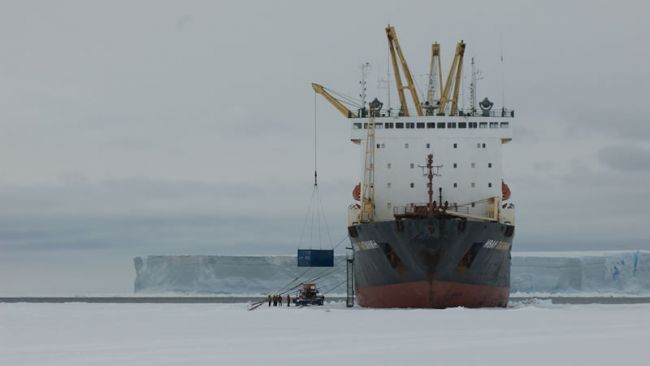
[(434, 262)]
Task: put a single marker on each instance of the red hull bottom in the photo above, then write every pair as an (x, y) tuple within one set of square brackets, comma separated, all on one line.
[(432, 294)]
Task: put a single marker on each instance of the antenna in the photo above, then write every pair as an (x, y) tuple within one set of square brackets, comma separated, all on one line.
[(503, 77), (364, 73), (476, 76), (388, 80)]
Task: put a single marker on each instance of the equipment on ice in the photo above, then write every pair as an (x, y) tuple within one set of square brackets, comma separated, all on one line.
[(309, 295)]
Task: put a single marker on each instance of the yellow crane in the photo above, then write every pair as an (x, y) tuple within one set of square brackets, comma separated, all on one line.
[(455, 74), (368, 190), (435, 77), (395, 52), (319, 89)]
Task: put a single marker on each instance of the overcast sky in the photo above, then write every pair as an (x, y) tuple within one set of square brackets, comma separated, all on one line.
[(184, 127)]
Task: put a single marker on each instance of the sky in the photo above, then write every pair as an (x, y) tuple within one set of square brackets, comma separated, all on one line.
[(132, 128)]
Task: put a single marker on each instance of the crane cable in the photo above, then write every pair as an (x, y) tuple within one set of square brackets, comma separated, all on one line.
[(315, 221), (314, 213)]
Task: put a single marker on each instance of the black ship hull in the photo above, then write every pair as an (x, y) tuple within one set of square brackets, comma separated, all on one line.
[(435, 262)]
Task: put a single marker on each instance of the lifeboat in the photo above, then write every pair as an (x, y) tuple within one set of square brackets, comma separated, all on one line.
[(505, 191), (356, 192)]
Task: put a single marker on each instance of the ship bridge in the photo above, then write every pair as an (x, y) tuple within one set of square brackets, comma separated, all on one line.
[(464, 144), (495, 124)]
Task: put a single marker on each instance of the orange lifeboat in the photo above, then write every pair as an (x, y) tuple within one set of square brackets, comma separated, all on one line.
[(505, 191), (356, 192)]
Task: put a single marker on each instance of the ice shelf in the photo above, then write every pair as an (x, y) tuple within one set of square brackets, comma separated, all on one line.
[(621, 272)]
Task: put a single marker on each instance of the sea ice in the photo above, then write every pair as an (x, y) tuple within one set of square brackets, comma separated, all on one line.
[(228, 334)]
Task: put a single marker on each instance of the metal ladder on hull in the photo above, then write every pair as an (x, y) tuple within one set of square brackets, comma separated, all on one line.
[(349, 268)]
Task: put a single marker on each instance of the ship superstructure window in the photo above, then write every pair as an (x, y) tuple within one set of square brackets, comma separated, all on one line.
[(412, 185), (383, 146), (410, 125), (406, 146), (356, 126), (441, 125), (478, 145), (399, 125), (388, 184), (420, 125), (494, 124), (473, 184), (505, 124), (489, 165), (379, 125), (473, 204), (388, 166), (378, 146), (462, 124), (389, 125), (428, 146), (455, 165), (473, 165), (431, 125), (483, 145), (455, 146), (412, 165), (451, 124), (482, 125), (473, 125), (365, 126), (388, 205), (455, 185), (489, 185)]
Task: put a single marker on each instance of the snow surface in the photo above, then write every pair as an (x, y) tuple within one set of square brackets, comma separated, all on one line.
[(228, 334), (571, 273)]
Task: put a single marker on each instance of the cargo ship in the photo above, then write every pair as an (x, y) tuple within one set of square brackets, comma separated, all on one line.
[(432, 224)]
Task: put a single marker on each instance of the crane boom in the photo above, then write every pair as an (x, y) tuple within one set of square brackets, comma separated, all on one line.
[(457, 83), (435, 77), (403, 109), (394, 48), (319, 89), (368, 190), (455, 72)]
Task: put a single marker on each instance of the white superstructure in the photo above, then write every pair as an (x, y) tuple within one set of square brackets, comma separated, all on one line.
[(458, 151), (467, 149)]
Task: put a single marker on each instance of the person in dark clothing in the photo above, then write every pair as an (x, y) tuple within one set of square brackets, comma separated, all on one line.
[(288, 300), (269, 300), (275, 300), (279, 300)]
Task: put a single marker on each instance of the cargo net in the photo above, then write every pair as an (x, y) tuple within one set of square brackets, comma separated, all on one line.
[(315, 230)]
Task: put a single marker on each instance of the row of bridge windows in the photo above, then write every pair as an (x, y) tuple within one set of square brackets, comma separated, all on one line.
[(472, 184), (479, 145), (438, 125), (455, 165)]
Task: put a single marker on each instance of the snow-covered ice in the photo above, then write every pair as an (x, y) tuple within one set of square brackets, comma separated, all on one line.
[(571, 273), (228, 334)]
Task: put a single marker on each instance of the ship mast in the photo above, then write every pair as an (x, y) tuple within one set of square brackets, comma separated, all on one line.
[(364, 74), (476, 76), (431, 171)]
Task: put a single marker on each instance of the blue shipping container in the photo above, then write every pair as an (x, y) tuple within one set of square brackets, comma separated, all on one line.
[(315, 258)]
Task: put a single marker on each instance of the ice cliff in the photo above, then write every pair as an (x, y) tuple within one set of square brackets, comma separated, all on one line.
[(231, 275), (581, 272), (532, 272)]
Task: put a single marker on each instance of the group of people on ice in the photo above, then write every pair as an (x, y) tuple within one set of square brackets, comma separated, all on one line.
[(276, 300)]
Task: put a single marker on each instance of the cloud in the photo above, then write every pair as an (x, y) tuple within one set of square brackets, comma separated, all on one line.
[(184, 22), (626, 158)]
